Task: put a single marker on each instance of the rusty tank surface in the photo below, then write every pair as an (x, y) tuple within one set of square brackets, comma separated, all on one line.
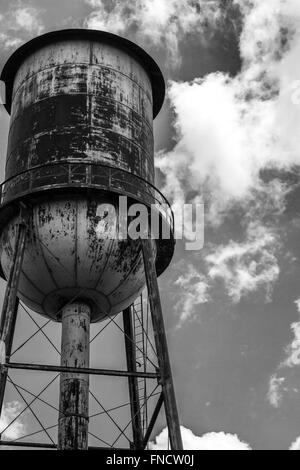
[(82, 104)]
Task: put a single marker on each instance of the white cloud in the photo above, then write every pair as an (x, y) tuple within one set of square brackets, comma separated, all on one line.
[(10, 411), (292, 359), (193, 292), (164, 23), (295, 445), (27, 19), (19, 23), (275, 391), (8, 41), (102, 19), (247, 266), (293, 349), (230, 128), (210, 441)]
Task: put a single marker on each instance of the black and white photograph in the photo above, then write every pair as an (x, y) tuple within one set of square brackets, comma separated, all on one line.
[(149, 228)]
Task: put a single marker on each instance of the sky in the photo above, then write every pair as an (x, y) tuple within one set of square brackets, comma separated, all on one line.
[(227, 136)]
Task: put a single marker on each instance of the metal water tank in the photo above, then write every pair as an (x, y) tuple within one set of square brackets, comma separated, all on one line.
[(82, 104)]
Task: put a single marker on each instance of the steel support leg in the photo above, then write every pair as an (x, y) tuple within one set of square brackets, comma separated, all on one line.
[(153, 420), (10, 308), (137, 430), (74, 387), (161, 346)]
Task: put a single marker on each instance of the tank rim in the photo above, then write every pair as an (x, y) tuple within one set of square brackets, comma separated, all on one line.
[(13, 63)]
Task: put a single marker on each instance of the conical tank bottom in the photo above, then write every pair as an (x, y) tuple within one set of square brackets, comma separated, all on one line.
[(73, 253)]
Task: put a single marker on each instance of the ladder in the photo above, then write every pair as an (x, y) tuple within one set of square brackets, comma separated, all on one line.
[(140, 324)]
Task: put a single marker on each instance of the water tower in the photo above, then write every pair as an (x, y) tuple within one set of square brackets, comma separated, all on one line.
[(81, 107)]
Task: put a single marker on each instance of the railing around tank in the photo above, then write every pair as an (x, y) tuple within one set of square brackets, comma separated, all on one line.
[(85, 175)]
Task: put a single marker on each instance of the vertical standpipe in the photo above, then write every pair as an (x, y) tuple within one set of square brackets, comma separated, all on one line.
[(74, 388)]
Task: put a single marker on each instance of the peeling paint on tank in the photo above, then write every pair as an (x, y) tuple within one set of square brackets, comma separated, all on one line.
[(82, 111), (88, 102)]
